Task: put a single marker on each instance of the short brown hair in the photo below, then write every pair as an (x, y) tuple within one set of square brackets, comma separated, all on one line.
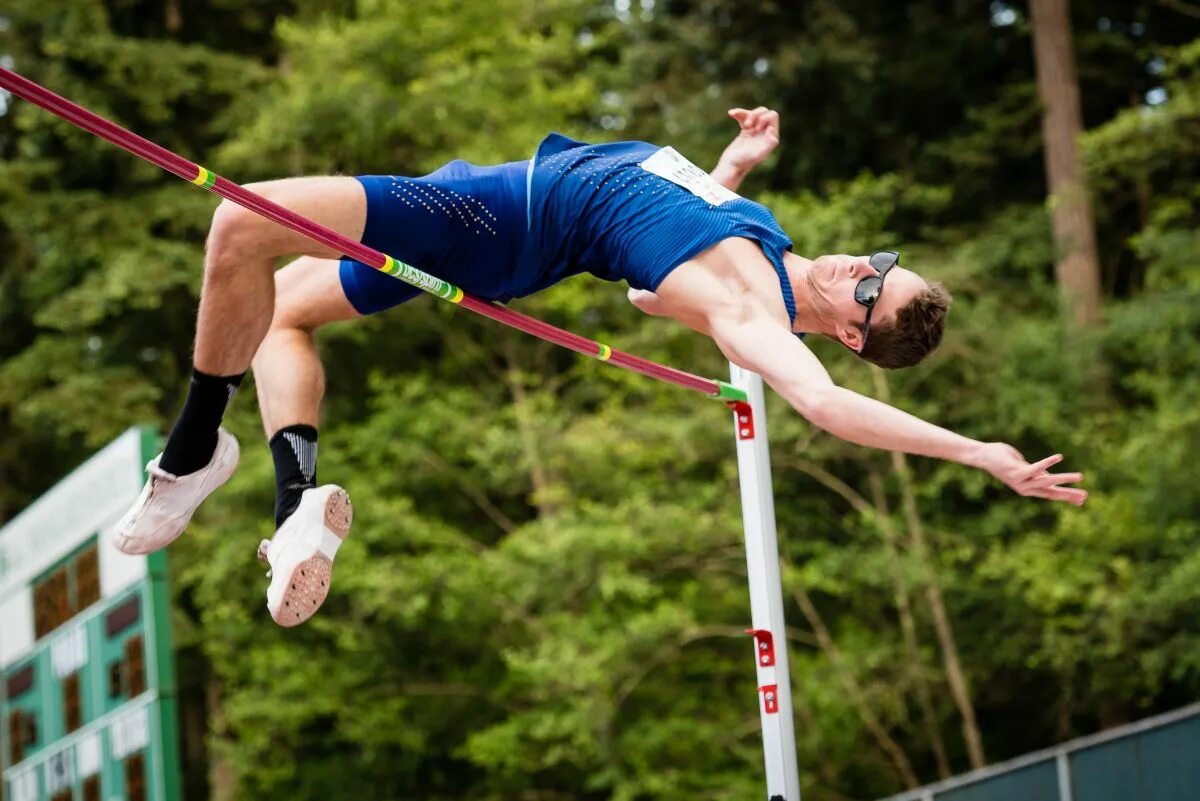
[(915, 332)]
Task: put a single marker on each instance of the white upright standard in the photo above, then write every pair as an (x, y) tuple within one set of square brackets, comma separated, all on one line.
[(766, 590)]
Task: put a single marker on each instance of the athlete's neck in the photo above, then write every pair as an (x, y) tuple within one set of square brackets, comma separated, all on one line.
[(809, 305)]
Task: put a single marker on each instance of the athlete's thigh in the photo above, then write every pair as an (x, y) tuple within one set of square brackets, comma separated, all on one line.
[(309, 293), (335, 202)]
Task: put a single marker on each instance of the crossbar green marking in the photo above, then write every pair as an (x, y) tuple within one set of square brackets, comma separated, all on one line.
[(422, 280), (205, 178), (726, 391)]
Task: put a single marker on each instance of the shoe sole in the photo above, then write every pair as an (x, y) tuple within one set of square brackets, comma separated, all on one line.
[(308, 586)]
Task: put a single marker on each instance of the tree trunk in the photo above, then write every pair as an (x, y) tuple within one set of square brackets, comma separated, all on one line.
[(854, 690), (955, 676), (222, 785), (880, 516), (1077, 266), (544, 487), (908, 627), (173, 16)]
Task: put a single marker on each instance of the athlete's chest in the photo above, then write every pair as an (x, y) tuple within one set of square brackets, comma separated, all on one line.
[(734, 268)]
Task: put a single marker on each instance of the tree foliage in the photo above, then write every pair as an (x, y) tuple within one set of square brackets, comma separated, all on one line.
[(544, 593)]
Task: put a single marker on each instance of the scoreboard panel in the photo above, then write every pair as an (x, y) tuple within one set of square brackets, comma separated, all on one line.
[(87, 689)]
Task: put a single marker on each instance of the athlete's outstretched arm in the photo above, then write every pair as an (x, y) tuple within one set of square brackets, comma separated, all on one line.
[(753, 340), (757, 137)]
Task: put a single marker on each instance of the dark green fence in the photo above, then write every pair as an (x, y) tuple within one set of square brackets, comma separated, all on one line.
[(1157, 759)]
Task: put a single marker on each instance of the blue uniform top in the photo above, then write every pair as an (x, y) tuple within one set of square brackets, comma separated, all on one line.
[(592, 208), (509, 230)]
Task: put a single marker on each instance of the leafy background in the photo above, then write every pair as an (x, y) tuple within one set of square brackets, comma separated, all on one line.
[(544, 595)]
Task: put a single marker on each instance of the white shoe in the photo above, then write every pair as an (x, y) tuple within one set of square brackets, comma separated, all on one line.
[(301, 554), (167, 502)]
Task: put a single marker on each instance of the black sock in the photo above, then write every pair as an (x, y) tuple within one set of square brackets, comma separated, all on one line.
[(194, 437), (294, 451)]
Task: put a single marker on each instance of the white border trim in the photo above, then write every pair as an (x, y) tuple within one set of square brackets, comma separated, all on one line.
[(95, 726)]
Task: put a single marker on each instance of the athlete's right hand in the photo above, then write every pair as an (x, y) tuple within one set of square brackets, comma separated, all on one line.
[(757, 137), (1031, 480)]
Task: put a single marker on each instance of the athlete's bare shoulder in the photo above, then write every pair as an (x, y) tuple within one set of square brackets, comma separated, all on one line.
[(731, 277)]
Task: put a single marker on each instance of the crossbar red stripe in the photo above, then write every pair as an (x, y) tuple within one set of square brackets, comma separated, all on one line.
[(155, 154)]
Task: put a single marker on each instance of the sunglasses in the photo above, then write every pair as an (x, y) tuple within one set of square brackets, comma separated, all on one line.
[(866, 293)]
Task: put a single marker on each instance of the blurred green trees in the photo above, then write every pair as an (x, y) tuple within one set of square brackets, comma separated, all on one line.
[(544, 593)]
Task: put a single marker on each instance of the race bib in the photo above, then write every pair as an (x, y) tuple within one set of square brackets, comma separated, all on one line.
[(667, 163)]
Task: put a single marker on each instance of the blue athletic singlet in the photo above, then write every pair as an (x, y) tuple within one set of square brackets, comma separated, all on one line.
[(463, 223), (511, 230)]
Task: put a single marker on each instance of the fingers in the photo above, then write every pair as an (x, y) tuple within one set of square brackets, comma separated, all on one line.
[(1038, 467), (1033, 480), (1051, 486), (1071, 495), (758, 120), (771, 123), (1054, 479)]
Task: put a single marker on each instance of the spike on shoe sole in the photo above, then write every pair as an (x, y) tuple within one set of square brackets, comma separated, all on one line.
[(308, 585)]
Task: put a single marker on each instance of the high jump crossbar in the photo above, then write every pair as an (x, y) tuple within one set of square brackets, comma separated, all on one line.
[(745, 396), (173, 163)]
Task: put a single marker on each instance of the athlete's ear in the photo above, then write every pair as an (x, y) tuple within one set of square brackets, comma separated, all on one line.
[(850, 335)]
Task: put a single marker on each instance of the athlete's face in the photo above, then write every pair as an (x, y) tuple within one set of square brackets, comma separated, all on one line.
[(831, 283)]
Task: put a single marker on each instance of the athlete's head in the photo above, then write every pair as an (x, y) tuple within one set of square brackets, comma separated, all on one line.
[(888, 315)]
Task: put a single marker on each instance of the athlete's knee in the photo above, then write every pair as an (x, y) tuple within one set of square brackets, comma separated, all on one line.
[(230, 237), (291, 304), (308, 294), (236, 232)]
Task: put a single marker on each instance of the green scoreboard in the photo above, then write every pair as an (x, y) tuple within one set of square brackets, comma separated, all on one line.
[(87, 687)]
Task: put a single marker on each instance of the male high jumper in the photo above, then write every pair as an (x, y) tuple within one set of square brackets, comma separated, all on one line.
[(688, 247)]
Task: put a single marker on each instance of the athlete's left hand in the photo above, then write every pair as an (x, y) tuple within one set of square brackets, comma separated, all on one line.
[(759, 135), (1031, 480)]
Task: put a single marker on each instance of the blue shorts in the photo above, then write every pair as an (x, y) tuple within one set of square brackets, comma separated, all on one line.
[(463, 223)]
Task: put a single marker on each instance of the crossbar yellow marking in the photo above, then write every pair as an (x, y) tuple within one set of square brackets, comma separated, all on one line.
[(456, 296), (605, 353), (202, 177)]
